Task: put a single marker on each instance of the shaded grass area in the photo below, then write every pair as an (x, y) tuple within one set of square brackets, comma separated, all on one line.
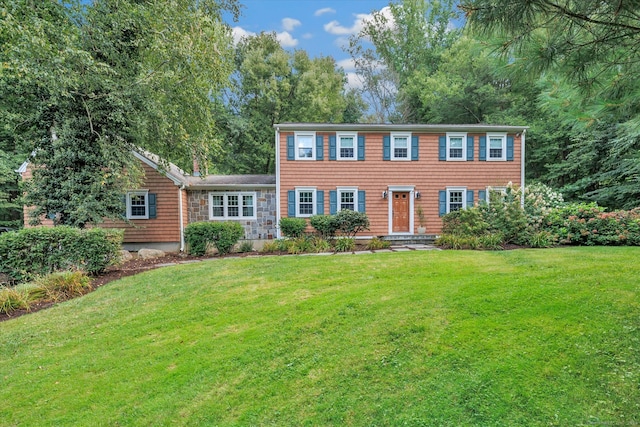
[(527, 337)]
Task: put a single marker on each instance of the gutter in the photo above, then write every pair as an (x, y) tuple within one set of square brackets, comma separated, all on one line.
[(181, 216), (522, 152), (278, 216)]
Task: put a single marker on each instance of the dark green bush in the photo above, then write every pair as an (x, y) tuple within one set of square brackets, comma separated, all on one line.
[(350, 222), (293, 227), (326, 225), (200, 236), (465, 222), (32, 252)]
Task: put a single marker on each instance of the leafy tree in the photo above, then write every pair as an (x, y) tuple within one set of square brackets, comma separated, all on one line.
[(270, 86), (586, 58), (86, 84), (412, 38)]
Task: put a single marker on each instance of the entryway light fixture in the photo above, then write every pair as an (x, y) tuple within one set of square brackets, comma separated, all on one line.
[(384, 194), (418, 195)]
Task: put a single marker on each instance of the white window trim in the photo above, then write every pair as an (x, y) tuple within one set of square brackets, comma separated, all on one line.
[(502, 135), (355, 146), (393, 144), (313, 145), (464, 147), (225, 205), (340, 190), (464, 196), (144, 193), (314, 202)]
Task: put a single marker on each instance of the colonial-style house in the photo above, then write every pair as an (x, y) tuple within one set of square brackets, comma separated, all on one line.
[(389, 171)]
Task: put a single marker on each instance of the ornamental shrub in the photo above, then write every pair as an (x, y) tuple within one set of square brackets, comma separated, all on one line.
[(349, 222), (201, 236), (325, 225), (32, 252), (465, 222), (292, 227)]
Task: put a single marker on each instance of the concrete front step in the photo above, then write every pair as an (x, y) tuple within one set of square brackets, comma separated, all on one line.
[(411, 239)]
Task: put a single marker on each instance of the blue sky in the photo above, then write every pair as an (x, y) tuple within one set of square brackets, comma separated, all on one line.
[(320, 27)]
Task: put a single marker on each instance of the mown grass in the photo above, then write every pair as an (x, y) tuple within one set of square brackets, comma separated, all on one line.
[(527, 337)]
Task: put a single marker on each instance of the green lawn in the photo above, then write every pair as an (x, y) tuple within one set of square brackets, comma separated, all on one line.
[(526, 337)]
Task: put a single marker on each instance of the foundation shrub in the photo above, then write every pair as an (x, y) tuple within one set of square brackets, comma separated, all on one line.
[(350, 223), (32, 252), (201, 236), (325, 225), (293, 227)]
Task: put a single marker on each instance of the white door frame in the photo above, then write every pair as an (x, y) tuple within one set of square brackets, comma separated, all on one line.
[(398, 189)]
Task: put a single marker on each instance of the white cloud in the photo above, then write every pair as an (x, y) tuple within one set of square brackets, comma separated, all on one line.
[(307, 36), (323, 11), (286, 40), (334, 27), (347, 64), (238, 33), (289, 24), (354, 81)]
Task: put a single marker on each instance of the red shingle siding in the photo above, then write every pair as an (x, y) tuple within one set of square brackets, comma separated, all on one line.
[(428, 175), (166, 226)]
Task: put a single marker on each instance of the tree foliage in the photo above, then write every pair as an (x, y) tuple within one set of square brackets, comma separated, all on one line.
[(83, 85), (271, 85)]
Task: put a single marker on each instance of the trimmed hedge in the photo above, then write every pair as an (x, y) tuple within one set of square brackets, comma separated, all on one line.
[(32, 252), (200, 236), (293, 227)]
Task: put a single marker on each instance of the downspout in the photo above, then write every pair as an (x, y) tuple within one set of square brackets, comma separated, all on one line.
[(522, 150), (277, 182), (181, 214)]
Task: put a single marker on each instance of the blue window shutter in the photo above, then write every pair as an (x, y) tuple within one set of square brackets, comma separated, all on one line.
[(469, 198), (291, 203), (442, 148), (482, 156), (482, 196), (332, 147), (319, 147), (361, 201), (320, 202), (470, 148), (360, 147), (510, 148), (415, 151), (442, 202), (153, 211), (333, 202), (386, 147), (291, 147)]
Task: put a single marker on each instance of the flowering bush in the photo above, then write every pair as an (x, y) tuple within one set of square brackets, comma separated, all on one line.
[(589, 224)]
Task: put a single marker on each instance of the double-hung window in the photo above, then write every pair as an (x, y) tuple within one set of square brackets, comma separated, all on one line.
[(305, 202), (456, 199), (497, 146), (347, 146), (305, 145), (496, 194), (347, 199), (138, 204), (232, 205), (400, 145), (456, 146)]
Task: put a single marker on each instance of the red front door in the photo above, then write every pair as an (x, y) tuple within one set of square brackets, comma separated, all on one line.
[(400, 212)]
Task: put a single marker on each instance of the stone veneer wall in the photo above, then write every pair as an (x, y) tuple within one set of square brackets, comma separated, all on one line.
[(264, 227)]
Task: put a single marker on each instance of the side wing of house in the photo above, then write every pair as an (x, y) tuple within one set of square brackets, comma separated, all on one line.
[(156, 213), (388, 171)]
